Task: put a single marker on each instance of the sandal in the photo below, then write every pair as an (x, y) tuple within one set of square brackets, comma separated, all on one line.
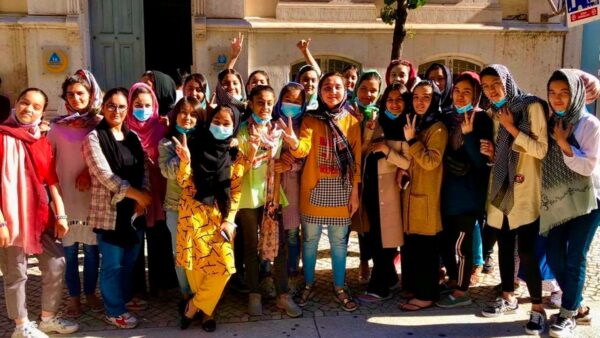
[(305, 295), (344, 298), (94, 303), (411, 306)]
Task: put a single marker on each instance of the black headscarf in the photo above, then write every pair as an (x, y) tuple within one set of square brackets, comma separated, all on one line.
[(211, 163), (446, 99), (166, 92), (434, 112), (393, 129)]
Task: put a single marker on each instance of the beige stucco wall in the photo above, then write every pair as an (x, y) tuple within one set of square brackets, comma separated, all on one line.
[(13, 6), (514, 7)]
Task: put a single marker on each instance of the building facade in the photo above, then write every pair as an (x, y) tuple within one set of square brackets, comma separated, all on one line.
[(43, 40)]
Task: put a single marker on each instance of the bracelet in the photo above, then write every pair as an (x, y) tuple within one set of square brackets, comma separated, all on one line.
[(59, 217), (3, 224)]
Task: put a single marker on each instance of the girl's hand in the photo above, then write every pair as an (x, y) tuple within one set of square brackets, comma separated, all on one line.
[(229, 229), (254, 138), (164, 120), (380, 147), (288, 159), (282, 167), (562, 132), (467, 125), (288, 132), (410, 129), (303, 45), (506, 118), (83, 180), (61, 228), (4, 237), (486, 147), (354, 201), (236, 46), (181, 148)]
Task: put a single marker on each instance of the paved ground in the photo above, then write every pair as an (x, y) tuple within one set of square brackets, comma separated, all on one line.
[(323, 317)]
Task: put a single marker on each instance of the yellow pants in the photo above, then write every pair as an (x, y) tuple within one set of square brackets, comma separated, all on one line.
[(207, 289)]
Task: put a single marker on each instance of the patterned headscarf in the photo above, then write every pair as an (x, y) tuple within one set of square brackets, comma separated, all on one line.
[(95, 92)]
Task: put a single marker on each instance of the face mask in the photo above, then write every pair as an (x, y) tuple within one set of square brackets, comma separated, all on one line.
[(183, 130), (238, 97), (258, 120), (390, 115), (290, 109), (500, 103), (462, 110), (142, 114), (220, 132), (560, 113)]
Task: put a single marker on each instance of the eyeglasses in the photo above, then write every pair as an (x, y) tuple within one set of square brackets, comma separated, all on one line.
[(113, 108)]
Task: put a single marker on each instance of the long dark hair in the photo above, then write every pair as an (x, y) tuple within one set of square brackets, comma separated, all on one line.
[(198, 112)]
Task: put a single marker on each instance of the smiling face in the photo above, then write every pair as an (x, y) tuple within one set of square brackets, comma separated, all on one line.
[(399, 73), (395, 102), (437, 76), (559, 95), (332, 91), (422, 99), (262, 104), (493, 88), (292, 96), (309, 80), (255, 80), (232, 85), (30, 107), (193, 89), (462, 94), (78, 97), (222, 118), (115, 110), (187, 117), (368, 91), (350, 78)]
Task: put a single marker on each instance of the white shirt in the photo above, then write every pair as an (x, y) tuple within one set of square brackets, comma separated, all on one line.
[(585, 160)]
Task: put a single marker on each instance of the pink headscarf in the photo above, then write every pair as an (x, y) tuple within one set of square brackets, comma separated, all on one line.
[(151, 131)]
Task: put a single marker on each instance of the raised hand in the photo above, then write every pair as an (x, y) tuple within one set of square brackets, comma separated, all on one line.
[(236, 46), (410, 129), (213, 100), (289, 136), (303, 45), (467, 125), (254, 140), (181, 148)]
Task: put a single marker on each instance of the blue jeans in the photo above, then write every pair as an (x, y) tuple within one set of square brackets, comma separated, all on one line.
[(116, 273), (91, 261), (293, 238), (339, 247), (568, 246), (477, 245), (172, 220)]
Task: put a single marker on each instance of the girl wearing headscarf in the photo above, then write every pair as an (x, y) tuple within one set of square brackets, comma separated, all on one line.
[(291, 104), (330, 140), (427, 138), (144, 119), (164, 88), (401, 71), (195, 85), (365, 102), (26, 221), (441, 75), (83, 99), (210, 175), (521, 142), (570, 192), (230, 90), (464, 188), (386, 157), (308, 77)]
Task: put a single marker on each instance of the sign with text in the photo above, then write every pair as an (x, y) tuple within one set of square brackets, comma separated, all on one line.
[(580, 12)]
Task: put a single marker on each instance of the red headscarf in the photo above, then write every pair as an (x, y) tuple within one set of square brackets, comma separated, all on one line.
[(412, 74)]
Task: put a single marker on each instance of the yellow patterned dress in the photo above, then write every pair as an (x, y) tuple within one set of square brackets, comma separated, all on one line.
[(200, 246)]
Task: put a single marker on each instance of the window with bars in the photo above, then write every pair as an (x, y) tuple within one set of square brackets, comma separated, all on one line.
[(457, 65), (327, 64)]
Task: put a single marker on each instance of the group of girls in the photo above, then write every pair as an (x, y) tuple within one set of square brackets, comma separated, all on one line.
[(418, 167)]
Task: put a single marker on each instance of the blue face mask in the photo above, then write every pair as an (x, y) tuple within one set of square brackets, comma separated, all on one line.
[(560, 113), (500, 103), (462, 110), (258, 120), (220, 132), (183, 130), (142, 114), (390, 115), (291, 109)]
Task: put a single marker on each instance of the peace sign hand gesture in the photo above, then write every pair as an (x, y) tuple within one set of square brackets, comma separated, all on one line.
[(236, 46), (289, 136), (467, 125), (410, 129), (181, 148)]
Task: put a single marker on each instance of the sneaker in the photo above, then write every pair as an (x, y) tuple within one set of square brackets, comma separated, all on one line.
[(267, 288), (488, 265), (500, 307), (584, 318), (555, 300), (58, 325), (285, 302), (124, 321), (28, 330), (536, 324), (562, 327), (255, 304), (136, 304), (449, 301)]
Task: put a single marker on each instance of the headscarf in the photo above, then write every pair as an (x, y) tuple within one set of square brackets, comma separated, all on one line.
[(226, 99), (343, 152), (447, 92), (454, 120), (565, 193), (165, 91), (151, 131), (95, 95), (506, 159), (393, 130), (211, 161), (412, 73), (433, 113), (311, 102), (277, 114), (370, 110)]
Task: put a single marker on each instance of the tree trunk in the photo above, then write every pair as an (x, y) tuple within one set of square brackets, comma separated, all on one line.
[(399, 31)]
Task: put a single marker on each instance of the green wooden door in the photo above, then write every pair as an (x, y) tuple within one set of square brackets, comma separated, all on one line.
[(117, 31)]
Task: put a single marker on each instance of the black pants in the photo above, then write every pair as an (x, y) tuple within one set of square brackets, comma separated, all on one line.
[(364, 246), (420, 266), (489, 237), (529, 263), (457, 242), (383, 275)]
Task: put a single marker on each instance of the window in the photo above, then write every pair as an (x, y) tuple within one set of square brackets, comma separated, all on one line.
[(327, 64), (457, 65)]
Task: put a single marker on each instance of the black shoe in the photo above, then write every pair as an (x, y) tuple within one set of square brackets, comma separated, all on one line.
[(209, 325), (185, 322), (536, 324), (563, 327)]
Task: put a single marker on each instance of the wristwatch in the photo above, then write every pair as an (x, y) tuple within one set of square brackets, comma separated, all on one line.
[(59, 217)]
